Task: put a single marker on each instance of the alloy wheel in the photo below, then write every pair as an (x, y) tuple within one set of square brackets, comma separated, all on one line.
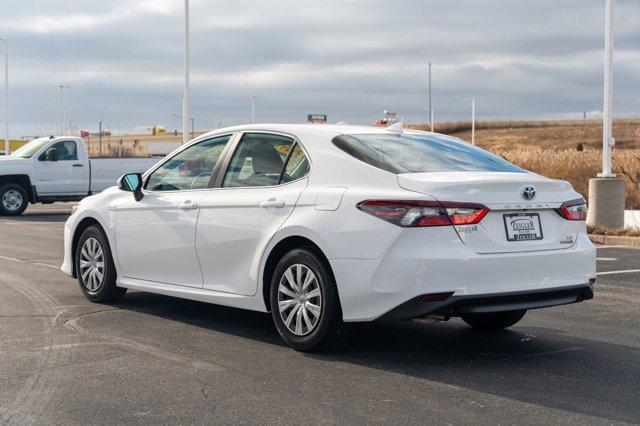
[(92, 264), (299, 299)]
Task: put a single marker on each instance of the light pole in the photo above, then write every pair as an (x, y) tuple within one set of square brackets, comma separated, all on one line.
[(193, 125), (253, 108), (607, 125), (64, 119), (606, 192), (185, 100), (430, 108), (473, 119), (39, 108), (61, 87), (7, 146)]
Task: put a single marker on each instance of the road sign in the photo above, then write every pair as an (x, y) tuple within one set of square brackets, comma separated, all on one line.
[(317, 118)]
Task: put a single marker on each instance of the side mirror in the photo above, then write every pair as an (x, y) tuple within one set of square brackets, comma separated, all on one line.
[(52, 154), (132, 182)]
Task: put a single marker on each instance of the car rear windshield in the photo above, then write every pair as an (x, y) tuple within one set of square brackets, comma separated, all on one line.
[(418, 153)]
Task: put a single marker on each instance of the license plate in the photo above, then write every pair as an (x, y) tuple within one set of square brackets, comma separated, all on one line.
[(523, 226)]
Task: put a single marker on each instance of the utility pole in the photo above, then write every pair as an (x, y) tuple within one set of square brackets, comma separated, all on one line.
[(100, 137), (473, 119), (61, 87), (430, 108), (185, 100), (253, 108), (7, 145), (606, 192)]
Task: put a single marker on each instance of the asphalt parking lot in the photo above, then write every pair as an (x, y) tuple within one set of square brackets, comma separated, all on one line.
[(154, 359)]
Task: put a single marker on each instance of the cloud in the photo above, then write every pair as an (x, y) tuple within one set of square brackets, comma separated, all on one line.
[(350, 59)]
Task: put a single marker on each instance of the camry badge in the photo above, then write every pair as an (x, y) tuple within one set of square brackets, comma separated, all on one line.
[(529, 193)]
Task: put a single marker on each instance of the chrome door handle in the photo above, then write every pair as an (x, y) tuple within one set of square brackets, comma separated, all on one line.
[(188, 205), (273, 202)]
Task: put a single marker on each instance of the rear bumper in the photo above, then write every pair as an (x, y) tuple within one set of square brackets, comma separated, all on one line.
[(462, 305), (434, 260)]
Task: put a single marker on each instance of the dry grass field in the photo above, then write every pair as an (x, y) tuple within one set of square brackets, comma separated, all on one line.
[(551, 148)]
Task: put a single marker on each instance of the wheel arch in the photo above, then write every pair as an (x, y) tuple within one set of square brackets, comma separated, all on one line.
[(79, 229), (22, 180), (283, 246)]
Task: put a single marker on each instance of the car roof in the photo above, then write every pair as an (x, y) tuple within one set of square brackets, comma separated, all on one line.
[(327, 130)]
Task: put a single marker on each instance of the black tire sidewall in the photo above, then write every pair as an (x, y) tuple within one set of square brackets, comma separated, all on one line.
[(108, 292), (330, 314), (25, 199)]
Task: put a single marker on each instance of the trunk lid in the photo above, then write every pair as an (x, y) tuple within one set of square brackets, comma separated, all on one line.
[(501, 229)]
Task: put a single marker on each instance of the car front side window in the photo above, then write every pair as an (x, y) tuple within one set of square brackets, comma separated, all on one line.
[(188, 169)]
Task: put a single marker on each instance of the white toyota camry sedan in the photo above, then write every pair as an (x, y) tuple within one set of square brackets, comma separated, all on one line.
[(321, 225)]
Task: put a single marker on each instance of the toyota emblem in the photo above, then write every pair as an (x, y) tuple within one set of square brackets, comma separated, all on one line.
[(529, 193)]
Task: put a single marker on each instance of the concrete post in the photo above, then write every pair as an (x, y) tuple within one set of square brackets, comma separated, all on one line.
[(606, 202)]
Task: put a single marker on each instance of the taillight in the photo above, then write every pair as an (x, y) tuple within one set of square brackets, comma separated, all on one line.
[(574, 209), (413, 213)]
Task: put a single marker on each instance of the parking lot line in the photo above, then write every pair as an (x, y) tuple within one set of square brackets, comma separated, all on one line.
[(13, 259), (626, 271)]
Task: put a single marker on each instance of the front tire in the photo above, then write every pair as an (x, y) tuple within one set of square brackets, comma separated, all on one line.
[(13, 199), (495, 320), (304, 301), (95, 268)]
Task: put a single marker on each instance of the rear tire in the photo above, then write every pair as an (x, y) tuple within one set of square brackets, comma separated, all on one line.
[(495, 320), (95, 268), (13, 199), (306, 312)]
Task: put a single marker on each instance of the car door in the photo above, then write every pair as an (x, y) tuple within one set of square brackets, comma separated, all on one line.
[(66, 176), (155, 237), (252, 199)]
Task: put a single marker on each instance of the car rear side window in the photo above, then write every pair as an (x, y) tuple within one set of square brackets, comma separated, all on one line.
[(297, 166), (259, 160), (418, 153)]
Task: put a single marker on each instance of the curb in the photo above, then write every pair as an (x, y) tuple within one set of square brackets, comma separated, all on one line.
[(615, 240)]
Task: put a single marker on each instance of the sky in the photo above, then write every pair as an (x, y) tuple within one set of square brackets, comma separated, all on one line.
[(349, 59)]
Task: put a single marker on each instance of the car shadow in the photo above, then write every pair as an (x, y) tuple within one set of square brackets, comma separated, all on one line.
[(38, 217), (535, 365)]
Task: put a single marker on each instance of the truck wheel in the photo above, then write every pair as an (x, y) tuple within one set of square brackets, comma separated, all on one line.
[(494, 320), (95, 269), (13, 199)]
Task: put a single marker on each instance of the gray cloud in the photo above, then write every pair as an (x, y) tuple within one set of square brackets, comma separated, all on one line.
[(350, 59)]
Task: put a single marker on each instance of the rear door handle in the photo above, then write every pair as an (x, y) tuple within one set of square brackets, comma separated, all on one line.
[(188, 205), (77, 165), (273, 202)]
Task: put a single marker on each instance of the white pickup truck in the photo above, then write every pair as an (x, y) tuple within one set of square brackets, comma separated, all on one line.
[(52, 169)]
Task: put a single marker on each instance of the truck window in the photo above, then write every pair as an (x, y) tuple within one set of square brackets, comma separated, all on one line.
[(67, 150)]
